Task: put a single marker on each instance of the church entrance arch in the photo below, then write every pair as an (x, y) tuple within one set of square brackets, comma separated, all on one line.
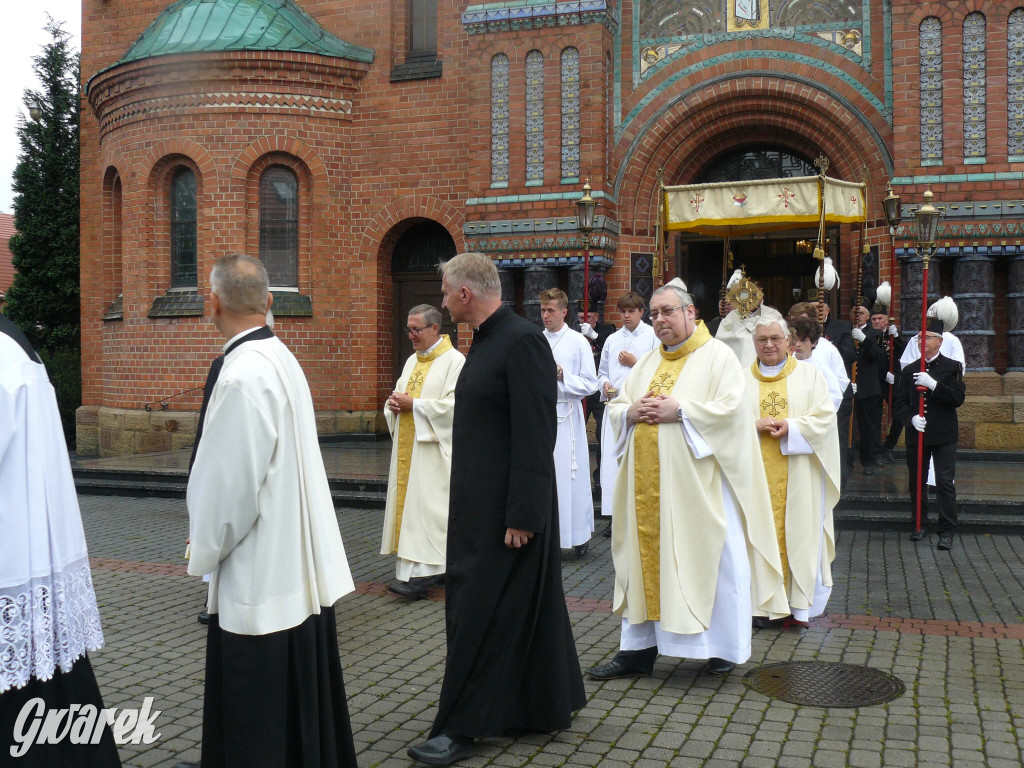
[(416, 280), (780, 261)]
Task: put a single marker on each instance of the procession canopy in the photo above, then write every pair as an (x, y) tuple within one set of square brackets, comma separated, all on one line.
[(731, 208)]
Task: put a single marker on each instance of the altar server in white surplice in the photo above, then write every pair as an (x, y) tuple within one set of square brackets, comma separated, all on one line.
[(790, 405), (262, 521), (621, 351), (419, 414), (49, 621), (736, 330), (574, 367), (693, 540)]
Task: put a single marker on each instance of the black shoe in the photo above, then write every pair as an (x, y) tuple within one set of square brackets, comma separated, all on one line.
[(945, 542), (868, 471), (204, 618), (607, 532), (879, 462), (187, 765), (443, 749), (918, 535), (763, 622), (581, 549), (717, 666), (889, 455), (615, 669), (413, 589)]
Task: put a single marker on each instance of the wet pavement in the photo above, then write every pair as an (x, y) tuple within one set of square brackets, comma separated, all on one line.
[(949, 625)]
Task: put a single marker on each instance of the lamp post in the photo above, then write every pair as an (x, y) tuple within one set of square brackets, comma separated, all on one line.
[(927, 220), (585, 209), (35, 110), (893, 215)]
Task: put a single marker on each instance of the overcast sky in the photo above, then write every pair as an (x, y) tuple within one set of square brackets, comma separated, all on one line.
[(21, 37)]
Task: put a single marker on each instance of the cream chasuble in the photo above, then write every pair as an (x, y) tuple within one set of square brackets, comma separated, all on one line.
[(669, 523), (416, 512), (803, 476)]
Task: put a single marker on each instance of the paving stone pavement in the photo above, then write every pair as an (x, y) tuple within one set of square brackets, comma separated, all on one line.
[(949, 625)]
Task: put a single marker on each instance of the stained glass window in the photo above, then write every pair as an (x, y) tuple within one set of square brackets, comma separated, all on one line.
[(974, 86), (499, 119), (1015, 82), (279, 225), (534, 116), (183, 229), (422, 27), (930, 33), (570, 113)]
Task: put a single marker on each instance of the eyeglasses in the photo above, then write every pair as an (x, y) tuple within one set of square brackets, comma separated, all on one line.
[(417, 331), (667, 312), (776, 340)]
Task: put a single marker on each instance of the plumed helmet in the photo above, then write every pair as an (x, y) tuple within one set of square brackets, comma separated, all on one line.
[(945, 310), (831, 276), (883, 297)]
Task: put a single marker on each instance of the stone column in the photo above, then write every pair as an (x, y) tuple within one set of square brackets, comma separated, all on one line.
[(575, 293), (974, 282), (910, 289), (1015, 300), (508, 287), (536, 279)]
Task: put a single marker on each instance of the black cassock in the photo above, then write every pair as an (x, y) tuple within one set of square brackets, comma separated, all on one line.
[(512, 662)]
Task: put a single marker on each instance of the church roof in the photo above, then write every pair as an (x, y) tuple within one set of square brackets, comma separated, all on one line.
[(191, 26)]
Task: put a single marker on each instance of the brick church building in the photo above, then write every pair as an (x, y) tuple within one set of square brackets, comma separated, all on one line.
[(352, 145)]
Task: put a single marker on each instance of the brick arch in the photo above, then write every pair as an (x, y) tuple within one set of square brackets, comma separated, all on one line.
[(194, 151), (384, 228), (944, 12), (692, 130), (284, 145)]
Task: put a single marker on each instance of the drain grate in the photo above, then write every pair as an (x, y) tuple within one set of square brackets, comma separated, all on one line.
[(824, 684)]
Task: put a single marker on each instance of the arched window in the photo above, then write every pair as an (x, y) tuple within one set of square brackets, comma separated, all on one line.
[(974, 88), (279, 225), (183, 229), (570, 82), (930, 42), (1015, 84), (499, 121), (534, 117)]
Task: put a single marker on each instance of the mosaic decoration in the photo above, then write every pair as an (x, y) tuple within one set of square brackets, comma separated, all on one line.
[(534, 116), (499, 120), (931, 91), (511, 16), (640, 278), (1015, 82), (974, 86), (570, 113)]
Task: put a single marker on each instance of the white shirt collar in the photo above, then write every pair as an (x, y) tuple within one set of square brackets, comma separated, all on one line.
[(771, 370), (431, 348), (236, 337), (559, 332)]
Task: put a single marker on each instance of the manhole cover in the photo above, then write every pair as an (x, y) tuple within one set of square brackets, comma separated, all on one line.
[(824, 684)]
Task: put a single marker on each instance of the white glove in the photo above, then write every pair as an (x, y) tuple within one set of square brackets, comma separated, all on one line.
[(587, 331), (923, 379), (894, 331), (919, 422), (857, 334), (890, 379), (853, 386)]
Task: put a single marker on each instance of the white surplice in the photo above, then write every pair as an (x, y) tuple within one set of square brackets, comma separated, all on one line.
[(638, 343), (48, 613), (737, 332), (261, 516), (572, 352)]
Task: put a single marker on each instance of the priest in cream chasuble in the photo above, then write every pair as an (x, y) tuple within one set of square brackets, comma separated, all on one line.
[(796, 424), (693, 541), (419, 416)]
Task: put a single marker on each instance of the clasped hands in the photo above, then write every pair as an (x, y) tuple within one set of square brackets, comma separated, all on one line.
[(653, 409), (400, 402), (777, 428)]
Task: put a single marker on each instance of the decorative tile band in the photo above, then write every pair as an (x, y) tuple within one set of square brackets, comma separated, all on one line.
[(528, 227), (536, 198), (958, 178), (504, 17)]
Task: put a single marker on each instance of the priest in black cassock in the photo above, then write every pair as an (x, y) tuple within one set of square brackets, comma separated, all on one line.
[(512, 663), (262, 522)]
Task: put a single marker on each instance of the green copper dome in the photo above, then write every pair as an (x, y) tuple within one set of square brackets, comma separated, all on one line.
[(193, 26)]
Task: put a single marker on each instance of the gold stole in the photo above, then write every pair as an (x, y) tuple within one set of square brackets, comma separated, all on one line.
[(773, 399), (407, 426), (647, 470)]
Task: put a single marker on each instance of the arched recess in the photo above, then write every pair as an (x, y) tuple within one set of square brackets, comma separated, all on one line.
[(378, 241), (112, 248), (158, 235)]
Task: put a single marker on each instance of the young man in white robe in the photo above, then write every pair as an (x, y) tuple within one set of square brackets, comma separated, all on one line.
[(693, 540), (262, 521), (736, 331), (419, 415), (621, 351), (574, 369), (795, 419), (49, 620)]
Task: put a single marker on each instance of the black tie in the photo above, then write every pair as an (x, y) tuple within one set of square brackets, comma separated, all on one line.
[(211, 380)]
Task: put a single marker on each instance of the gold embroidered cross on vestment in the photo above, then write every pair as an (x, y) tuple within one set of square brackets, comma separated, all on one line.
[(662, 383), (416, 381), (774, 404)]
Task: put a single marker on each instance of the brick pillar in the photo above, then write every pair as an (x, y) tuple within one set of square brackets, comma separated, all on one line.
[(974, 279), (535, 280), (910, 288), (508, 287), (1015, 300)]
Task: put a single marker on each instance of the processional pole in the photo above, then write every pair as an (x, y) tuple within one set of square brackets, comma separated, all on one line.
[(819, 251), (927, 218), (893, 214)]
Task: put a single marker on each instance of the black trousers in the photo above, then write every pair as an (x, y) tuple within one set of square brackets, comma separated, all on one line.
[(843, 422), (944, 456), (869, 426), (895, 428)]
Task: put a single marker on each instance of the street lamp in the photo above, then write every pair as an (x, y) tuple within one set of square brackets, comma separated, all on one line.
[(586, 206), (927, 219), (35, 110), (893, 215)]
